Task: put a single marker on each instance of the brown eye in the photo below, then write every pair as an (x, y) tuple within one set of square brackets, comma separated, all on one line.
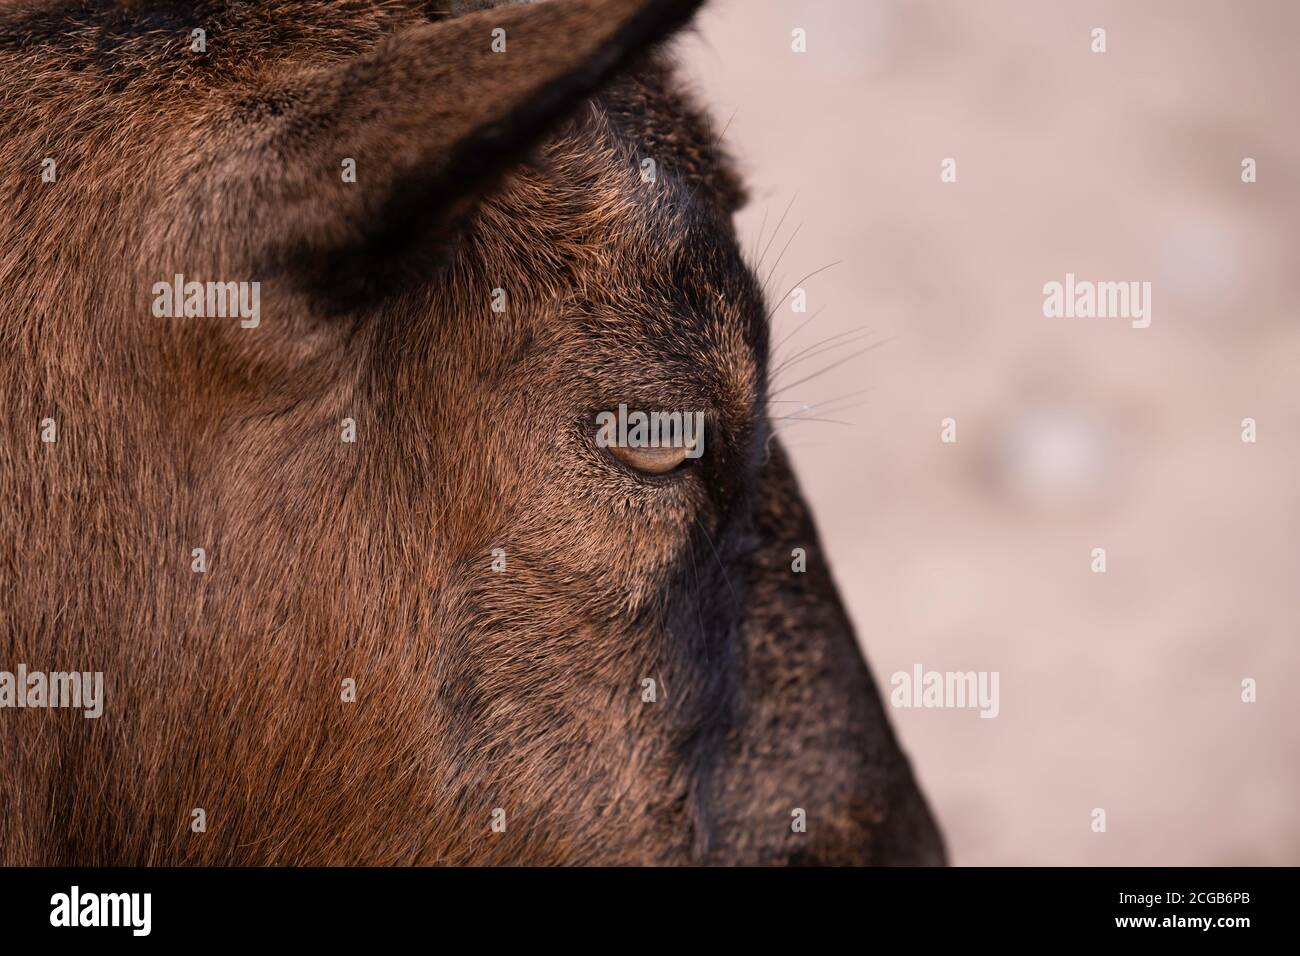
[(652, 461), (654, 442)]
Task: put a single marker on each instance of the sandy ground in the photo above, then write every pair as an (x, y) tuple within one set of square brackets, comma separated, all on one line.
[(1118, 690)]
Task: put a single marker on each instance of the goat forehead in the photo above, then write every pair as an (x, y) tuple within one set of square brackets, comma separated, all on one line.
[(651, 264)]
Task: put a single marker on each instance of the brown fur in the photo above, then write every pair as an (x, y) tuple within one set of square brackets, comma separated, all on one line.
[(477, 690)]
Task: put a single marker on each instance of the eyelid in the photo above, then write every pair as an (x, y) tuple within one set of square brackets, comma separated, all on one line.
[(674, 438), (651, 461)]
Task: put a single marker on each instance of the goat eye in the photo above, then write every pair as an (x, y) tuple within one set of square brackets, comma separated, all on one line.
[(653, 443), (652, 461)]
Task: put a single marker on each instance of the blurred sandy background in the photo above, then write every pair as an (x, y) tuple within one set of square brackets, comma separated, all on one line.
[(1118, 690)]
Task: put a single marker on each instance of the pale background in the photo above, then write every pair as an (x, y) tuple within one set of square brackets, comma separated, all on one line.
[(1118, 690)]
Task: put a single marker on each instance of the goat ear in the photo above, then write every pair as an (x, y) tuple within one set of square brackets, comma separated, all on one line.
[(430, 118)]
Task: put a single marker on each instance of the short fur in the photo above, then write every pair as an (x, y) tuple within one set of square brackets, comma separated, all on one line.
[(477, 690)]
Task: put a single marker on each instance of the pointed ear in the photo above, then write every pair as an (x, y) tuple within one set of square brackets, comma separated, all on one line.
[(432, 118)]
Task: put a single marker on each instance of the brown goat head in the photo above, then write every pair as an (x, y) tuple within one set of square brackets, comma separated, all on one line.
[(363, 584)]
